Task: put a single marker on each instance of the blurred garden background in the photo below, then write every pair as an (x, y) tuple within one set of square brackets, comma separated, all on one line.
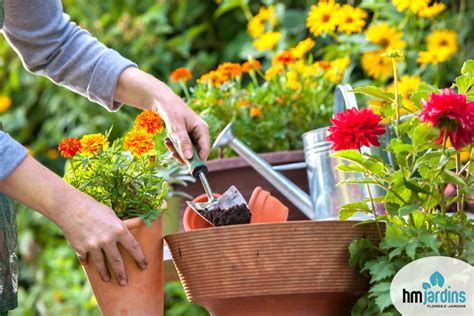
[(271, 66)]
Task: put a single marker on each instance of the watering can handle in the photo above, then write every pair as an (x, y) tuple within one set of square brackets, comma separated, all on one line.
[(344, 98), (195, 164)]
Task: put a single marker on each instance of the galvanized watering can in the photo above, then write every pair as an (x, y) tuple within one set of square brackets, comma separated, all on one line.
[(325, 195)]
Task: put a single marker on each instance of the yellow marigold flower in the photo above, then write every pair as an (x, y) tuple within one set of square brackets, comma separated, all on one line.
[(338, 66), (412, 5), (267, 40), (5, 103), (256, 25), (443, 39), (244, 103), (350, 20), (255, 112), (139, 142), (149, 121), (214, 77), (376, 66), (385, 36), (321, 18), (433, 57), (432, 11), (302, 48), (90, 144), (273, 71), (293, 80)]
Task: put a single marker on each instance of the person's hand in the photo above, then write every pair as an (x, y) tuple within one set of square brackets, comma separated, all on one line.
[(145, 92), (94, 231)]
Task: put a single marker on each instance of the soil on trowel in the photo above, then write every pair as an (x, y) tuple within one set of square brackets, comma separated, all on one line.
[(237, 214)]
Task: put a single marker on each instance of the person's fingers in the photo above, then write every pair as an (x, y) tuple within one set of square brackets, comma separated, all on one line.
[(200, 134), (174, 153), (83, 259), (116, 262), (133, 247), (184, 143), (97, 257)]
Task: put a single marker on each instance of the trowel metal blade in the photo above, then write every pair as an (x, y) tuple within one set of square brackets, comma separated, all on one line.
[(231, 197)]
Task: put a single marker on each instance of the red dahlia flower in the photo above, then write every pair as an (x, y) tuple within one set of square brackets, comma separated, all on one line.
[(452, 114), (353, 129), (69, 147)]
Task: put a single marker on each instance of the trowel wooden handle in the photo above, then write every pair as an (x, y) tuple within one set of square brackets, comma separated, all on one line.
[(195, 164)]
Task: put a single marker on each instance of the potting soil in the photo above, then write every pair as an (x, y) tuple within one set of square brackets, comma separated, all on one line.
[(237, 214)]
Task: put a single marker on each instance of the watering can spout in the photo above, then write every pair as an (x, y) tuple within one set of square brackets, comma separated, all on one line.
[(290, 190)]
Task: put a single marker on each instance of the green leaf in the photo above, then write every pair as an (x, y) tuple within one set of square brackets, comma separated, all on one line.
[(381, 268), (415, 187), (381, 293), (350, 168), (351, 155), (348, 210), (408, 209), (464, 82), (452, 177), (422, 134), (468, 67), (394, 237), (358, 180), (357, 251), (411, 248), (375, 92), (430, 240)]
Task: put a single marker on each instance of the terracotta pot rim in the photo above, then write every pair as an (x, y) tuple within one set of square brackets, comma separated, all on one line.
[(256, 225)]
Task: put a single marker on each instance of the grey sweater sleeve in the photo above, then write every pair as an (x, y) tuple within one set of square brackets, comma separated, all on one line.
[(11, 155), (49, 44)]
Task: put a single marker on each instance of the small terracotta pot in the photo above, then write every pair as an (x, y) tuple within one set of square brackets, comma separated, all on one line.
[(264, 208), (292, 268), (143, 295)]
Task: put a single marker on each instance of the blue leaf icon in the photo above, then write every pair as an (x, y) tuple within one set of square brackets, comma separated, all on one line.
[(437, 279), (426, 285)]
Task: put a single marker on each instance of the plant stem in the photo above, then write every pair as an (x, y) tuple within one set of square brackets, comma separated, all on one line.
[(374, 211), (185, 89)]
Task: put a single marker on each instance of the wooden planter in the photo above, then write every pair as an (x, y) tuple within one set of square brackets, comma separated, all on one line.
[(224, 173), (143, 295), (293, 268)]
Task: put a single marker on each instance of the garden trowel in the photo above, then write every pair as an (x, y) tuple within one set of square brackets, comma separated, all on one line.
[(228, 209)]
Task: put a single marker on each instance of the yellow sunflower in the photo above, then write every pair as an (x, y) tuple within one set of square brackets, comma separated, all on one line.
[(413, 5), (406, 86), (337, 68), (376, 66), (267, 41), (443, 39), (385, 36), (432, 11), (433, 57), (256, 25), (350, 20), (302, 48), (321, 18)]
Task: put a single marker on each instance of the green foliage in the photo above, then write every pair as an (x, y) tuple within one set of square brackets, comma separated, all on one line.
[(131, 185), (176, 303), (417, 223)]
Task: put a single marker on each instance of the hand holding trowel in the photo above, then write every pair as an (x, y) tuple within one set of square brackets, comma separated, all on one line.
[(229, 209)]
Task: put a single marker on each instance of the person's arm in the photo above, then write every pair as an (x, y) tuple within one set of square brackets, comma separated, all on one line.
[(49, 44), (92, 228)]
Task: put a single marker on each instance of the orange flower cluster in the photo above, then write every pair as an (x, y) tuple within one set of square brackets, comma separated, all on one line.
[(181, 74), (255, 112), (69, 147), (230, 70), (251, 65), (139, 142), (90, 144), (149, 121)]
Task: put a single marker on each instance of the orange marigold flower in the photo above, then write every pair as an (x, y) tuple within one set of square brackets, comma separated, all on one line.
[(251, 65), (279, 100), (285, 57), (149, 121), (90, 144), (244, 103), (69, 147), (255, 112), (139, 142), (231, 70), (181, 74), (215, 78), (324, 64)]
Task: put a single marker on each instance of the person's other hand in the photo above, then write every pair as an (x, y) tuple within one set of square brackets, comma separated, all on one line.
[(94, 231)]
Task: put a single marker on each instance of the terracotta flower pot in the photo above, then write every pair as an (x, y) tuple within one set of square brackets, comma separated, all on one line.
[(293, 268), (264, 207), (143, 295)]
